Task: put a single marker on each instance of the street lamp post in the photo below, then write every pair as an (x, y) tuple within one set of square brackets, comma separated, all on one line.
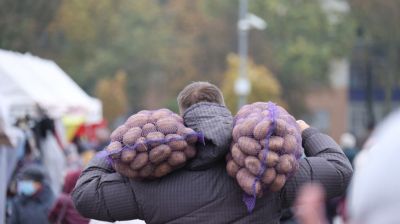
[(246, 21), (242, 84)]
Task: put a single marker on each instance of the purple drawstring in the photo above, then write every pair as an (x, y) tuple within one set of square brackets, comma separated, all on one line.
[(250, 200)]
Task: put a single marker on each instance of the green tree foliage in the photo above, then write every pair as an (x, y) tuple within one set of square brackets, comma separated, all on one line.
[(264, 85), (112, 93), (101, 37), (299, 43), (23, 24), (164, 44), (204, 33)]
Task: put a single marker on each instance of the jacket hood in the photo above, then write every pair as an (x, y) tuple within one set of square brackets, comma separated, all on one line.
[(215, 122)]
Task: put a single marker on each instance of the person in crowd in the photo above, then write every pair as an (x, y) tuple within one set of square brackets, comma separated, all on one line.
[(348, 144), (310, 205), (103, 138), (63, 211), (374, 195), (202, 191), (34, 198), (362, 156)]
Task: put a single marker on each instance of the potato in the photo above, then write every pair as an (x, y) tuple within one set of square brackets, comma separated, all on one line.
[(158, 114), (264, 142), (189, 134), (159, 153), (228, 157), (268, 176), (180, 126), (155, 138), (164, 110), (281, 110), (176, 142), (118, 133), (261, 129), (141, 145), (270, 160), (190, 151), (114, 147), (178, 118), (248, 125), (232, 168), (125, 170), (291, 130), (236, 132), (289, 144), (246, 181), (278, 183), (238, 155), (145, 112), (276, 144), (253, 165), (260, 105), (167, 125), (238, 121), (140, 160), (285, 164), (137, 120), (148, 128), (177, 158), (162, 169), (146, 171), (127, 155), (249, 145), (280, 127), (255, 114), (113, 150), (244, 111), (131, 136), (265, 113)]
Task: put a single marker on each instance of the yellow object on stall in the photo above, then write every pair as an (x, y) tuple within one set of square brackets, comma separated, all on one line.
[(72, 125)]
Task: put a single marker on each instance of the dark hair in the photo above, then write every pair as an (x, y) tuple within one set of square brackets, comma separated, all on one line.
[(199, 92)]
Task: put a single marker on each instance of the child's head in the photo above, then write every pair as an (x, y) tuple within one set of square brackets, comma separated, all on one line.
[(199, 92)]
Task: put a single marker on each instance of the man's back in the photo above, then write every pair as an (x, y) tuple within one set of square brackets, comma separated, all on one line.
[(206, 196), (202, 191)]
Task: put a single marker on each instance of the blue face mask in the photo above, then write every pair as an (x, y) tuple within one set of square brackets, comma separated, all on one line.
[(26, 187)]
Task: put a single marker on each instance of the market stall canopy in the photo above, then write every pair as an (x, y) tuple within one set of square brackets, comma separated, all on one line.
[(27, 81)]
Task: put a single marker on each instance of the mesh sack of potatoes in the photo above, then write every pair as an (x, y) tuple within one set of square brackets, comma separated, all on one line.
[(150, 144), (265, 150)]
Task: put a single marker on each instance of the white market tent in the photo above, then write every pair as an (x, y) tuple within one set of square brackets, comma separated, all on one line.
[(27, 80)]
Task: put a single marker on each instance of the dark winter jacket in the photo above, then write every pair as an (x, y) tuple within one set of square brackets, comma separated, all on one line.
[(202, 192), (32, 209)]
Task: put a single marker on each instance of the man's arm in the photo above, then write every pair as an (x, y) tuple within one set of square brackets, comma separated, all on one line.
[(325, 164), (103, 194)]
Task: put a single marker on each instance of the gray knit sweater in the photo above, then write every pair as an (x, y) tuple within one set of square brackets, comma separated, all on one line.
[(202, 192)]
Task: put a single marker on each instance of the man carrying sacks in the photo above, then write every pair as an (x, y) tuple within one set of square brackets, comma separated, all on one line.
[(202, 191)]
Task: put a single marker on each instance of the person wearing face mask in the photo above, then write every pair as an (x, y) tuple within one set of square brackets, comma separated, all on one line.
[(34, 197)]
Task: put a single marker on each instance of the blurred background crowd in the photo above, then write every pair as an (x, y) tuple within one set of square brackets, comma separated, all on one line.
[(71, 71)]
